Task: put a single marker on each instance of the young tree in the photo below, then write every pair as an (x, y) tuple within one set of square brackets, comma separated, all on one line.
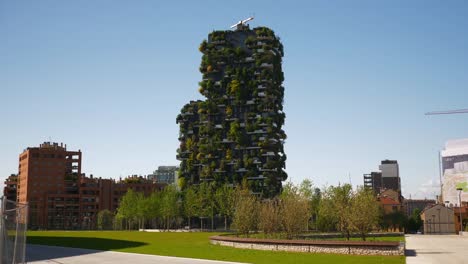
[(245, 217), (336, 207), (127, 210), (154, 206), (294, 210), (191, 205), (270, 217), (315, 205), (366, 212), (142, 207), (105, 220), (225, 197), (306, 190), (206, 202), (169, 204)]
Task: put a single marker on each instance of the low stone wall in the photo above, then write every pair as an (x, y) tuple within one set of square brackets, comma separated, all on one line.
[(336, 247), (312, 236)]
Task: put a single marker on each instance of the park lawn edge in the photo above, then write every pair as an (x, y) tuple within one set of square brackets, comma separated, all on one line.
[(188, 245)]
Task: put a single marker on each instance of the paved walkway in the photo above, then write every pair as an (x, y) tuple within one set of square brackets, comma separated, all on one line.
[(38, 254), (427, 249)]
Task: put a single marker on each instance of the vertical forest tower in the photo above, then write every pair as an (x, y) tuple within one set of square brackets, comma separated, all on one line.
[(236, 132)]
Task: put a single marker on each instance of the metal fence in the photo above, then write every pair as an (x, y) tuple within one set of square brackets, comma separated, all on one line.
[(13, 225)]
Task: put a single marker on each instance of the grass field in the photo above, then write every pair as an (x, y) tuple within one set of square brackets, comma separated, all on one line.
[(191, 245)]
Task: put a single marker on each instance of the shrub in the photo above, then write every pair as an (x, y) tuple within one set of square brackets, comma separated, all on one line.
[(270, 219), (246, 212)]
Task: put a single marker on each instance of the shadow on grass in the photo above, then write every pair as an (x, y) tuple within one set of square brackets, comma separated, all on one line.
[(74, 246)]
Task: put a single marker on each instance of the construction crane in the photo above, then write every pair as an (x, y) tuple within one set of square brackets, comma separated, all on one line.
[(241, 23), (448, 112)]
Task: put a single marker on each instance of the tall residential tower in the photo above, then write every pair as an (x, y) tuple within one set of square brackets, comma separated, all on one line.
[(236, 132)]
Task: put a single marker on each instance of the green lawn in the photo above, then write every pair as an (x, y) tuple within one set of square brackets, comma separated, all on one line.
[(191, 245)]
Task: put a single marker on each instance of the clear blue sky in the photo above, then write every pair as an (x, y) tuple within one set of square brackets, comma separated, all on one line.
[(110, 77)]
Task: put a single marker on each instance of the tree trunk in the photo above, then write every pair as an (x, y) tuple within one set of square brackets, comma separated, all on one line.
[(189, 222), (212, 222), (201, 224), (225, 223)]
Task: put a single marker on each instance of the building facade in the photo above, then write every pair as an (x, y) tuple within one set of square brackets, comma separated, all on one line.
[(236, 132), (461, 213), (43, 171), (454, 160), (165, 174), (60, 196), (387, 178), (412, 204), (438, 219), (391, 205)]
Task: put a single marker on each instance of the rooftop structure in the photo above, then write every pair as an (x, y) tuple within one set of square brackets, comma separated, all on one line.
[(236, 133)]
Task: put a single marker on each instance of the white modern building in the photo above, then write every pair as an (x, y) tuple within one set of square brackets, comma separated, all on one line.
[(455, 170)]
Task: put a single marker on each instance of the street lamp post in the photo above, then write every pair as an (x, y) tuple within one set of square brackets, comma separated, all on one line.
[(459, 204)]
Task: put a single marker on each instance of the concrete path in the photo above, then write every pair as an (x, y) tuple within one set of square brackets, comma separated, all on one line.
[(427, 249), (39, 254)]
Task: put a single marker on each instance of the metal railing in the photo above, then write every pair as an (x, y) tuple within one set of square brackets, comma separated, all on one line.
[(13, 225)]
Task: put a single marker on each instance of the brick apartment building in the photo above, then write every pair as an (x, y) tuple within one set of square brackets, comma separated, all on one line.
[(60, 196), (10, 185)]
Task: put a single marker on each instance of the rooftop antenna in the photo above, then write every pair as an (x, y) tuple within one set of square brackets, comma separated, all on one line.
[(239, 25)]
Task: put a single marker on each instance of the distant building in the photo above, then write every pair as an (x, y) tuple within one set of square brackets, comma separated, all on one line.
[(165, 174), (11, 185), (438, 219), (60, 196), (464, 215), (373, 181), (390, 193), (387, 178), (391, 205), (45, 170), (455, 171), (411, 204)]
